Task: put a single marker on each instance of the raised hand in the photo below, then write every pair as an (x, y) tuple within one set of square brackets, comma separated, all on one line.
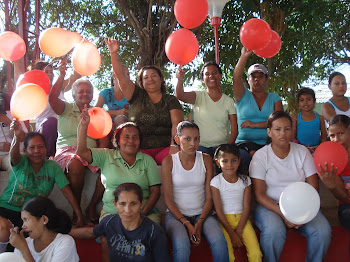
[(112, 44), (16, 127)]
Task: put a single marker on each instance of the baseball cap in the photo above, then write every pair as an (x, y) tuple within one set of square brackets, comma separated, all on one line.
[(257, 68)]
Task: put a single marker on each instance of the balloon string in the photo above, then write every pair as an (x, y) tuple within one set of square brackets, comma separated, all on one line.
[(180, 67)]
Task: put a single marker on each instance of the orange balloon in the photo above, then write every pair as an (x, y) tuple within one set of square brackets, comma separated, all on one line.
[(37, 77), (181, 47), (100, 123), (57, 42), (12, 46), (28, 101), (86, 59)]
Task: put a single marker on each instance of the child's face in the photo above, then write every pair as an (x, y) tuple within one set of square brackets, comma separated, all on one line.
[(228, 163), (339, 133), (306, 102)]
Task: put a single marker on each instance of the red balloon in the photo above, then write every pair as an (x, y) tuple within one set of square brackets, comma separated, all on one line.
[(181, 47), (100, 123), (28, 101), (255, 34), (331, 152), (12, 46), (86, 59), (191, 14), (272, 48), (57, 42), (37, 77)]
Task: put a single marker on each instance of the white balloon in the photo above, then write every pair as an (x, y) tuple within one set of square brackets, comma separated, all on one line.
[(10, 256), (299, 203)]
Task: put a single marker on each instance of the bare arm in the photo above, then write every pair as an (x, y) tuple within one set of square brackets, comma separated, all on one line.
[(67, 83), (238, 87), (234, 128), (56, 103), (15, 153), (323, 129), (82, 149), (313, 181), (246, 210), (186, 97), (261, 197), (100, 101), (152, 200), (294, 127), (18, 241), (176, 116), (67, 192), (83, 233), (327, 111), (126, 85)]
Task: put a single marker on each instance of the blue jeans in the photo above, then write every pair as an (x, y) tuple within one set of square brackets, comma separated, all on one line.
[(181, 243), (245, 157), (273, 235)]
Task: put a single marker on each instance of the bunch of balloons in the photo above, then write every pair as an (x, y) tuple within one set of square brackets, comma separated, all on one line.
[(181, 46), (299, 203), (332, 153), (256, 34), (12, 46), (57, 42)]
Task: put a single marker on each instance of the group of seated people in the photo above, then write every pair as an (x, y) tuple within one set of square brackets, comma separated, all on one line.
[(257, 148)]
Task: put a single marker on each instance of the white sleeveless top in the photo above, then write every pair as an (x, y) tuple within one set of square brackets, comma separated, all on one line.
[(337, 110), (189, 185)]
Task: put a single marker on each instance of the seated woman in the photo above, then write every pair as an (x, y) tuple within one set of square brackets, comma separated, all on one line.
[(68, 121), (114, 100), (338, 104), (186, 179), (31, 175), (273, 168), (253, 106), (130, 235), (155, 112), (123, 164), (47, 228), (339, 131)]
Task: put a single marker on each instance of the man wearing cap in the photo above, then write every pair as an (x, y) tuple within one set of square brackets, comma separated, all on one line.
[(254, 105)]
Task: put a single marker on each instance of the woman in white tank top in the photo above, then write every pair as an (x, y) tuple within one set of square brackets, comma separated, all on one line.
[(338, 104), (186, 179)]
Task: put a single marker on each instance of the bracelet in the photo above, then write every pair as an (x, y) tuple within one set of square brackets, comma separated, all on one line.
[(201, 218), (181, 218), (185, 222), (174, 145)]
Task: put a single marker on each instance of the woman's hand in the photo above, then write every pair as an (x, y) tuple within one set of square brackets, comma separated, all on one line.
[(290, 224), (198, 229), (180, 74), (247, 123), (62, 67), (173, 149), (191, 231), (84, 116), (328, 178), (246, 52), (112, 44), (17, 240), (16, 127), (5, 119), (5, 146)]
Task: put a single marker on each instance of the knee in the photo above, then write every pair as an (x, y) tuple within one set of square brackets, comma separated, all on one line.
[(274, 232), (76, 171), (5, 226)]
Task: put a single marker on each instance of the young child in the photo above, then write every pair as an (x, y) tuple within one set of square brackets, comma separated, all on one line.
[(308, 126), (339, 131), (231, 192)]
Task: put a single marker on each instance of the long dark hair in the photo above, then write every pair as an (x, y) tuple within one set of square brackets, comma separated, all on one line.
[(232, 149), (59, 221)]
